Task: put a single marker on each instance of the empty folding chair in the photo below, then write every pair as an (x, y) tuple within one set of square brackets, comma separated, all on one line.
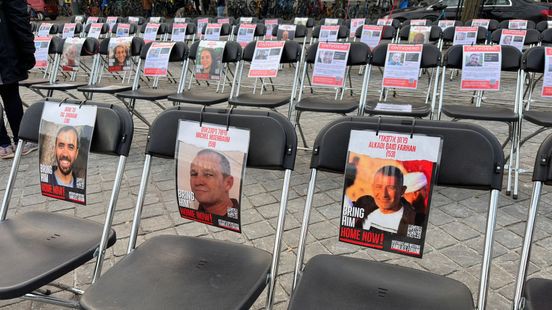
[(341, 282), (511, 62), (256, 98), (534, 294), (505, 24), (215, 94), (178, 272), (359, 55), (178, 55), (39, 247), (342, 33), (420, 106), (90, 48), (110, 87)]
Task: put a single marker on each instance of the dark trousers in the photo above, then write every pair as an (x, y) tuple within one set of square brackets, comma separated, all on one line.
[(13, 107)]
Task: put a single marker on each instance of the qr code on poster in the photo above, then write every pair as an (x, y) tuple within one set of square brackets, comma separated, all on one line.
[(414, 231)]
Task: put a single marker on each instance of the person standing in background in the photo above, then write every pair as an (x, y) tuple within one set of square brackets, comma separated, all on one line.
[(16, 56), (147, 4), (220, 8)]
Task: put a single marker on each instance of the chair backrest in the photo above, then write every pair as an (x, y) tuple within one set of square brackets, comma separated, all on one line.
[(387, 33), (91, 46), (493, 24), (232, 52), (300, 31), (132, 29), (532, 36), (542, 26), (431, 56), (434, 34), (260, 30), (310, 22), (542, 170), (504, 24), (104, 30), (191, 28), (546, 36), (533, 60), (179, 52), (55, 29), (343, 32), (511, 58), (290, 54), (136, 46), (359, 54), (448, 34)]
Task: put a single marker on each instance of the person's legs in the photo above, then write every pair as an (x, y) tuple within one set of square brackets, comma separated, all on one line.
[(220, 11), (13, 107)]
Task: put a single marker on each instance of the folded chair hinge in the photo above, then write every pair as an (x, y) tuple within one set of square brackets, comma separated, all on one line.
[(97, 252), (498, 169), (268, 278), (315, 151), (543, 160)]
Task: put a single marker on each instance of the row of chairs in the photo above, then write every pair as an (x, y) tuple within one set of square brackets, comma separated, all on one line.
[(188, 272)]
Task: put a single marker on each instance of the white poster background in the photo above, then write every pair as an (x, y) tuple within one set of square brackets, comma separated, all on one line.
[(402, 66), (150, 33), (465, 36), (328, 33), (42, 44), (355, 23), (44, 29), (269, 24), (212, 32), (481, 23), (517, 24), (515, 38), (95, 30), (481, 67), (330, 64), (445, 23), (246, 34), (68, 30), (266, 60), (123, 30), (157, 59), (371, 35), (178, 32)]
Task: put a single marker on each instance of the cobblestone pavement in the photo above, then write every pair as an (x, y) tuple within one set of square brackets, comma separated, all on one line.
[(454, 238)]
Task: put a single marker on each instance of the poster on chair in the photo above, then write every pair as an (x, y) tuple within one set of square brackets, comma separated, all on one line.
[(246, 34), (210, 168), (517, 24), (111, 21), (355, 24), (95, 30), (286, 32), (328, 33), (269, 25), (42, 45), (515, 38), (547, 77), (402, 66), (119, 54), (371, 35), (446, 23), (387, 190), (201, 23), (266, 59), (212, 32), (384, 22), (71, 55), (123, 30), (330, 64), (419, 34), (208, 62), (64, 140), (481, 23), (44, 29), (68, 30), (150, 33), (481, 67), (157, 59), (178, 32), (465, 35)]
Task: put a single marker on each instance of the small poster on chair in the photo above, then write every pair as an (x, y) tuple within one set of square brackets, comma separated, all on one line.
[(389, 180), (384, 22), (246, 34), (42, 45), (95, 30), (419, 34), (330, 64), (547, 77), (150, 33), (91, 20), (402, 66), (328, 33), (269, 25), (70, 57), (371, 35), (68, 30), (246, 20), (157, 59), (64, 141), (355, 24), (201, 23), (44, 29), (517, 24), (224, 20), (111, 21), (178, 32), (481, 23), (180, 20), (515, 38), (155, 19), (286, 32), (465, 35), (79, 19), (212, 32), (446, 23), (266, 59), (301, 21), (123, 30), (119, 54), (211, 161), (481, 67), (208, 62), (133, 19), (331, 21), (418, 22)]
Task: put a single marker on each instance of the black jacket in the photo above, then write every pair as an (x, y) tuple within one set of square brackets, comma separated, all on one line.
[(16, 41)]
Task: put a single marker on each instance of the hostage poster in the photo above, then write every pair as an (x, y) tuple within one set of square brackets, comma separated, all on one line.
[(387, 193), (210, 161)]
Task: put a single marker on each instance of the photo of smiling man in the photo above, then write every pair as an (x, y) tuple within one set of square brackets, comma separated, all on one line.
[(64, 143)]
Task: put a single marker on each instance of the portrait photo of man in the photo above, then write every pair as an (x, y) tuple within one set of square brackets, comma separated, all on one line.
[(211, 181), (386, 209), (474, 60), (416, 194), (395, 59), (66, 153)]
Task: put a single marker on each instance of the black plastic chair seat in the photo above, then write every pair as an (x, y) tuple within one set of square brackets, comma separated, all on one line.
[(104, 89), (261, 101), (340, 282), (145, 94), (59, 86), (30, 82), (481, 113), (325, 105), (418, 110), (197, 97), (537, 294), (541, 118), (179, 272), (40, 247)]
